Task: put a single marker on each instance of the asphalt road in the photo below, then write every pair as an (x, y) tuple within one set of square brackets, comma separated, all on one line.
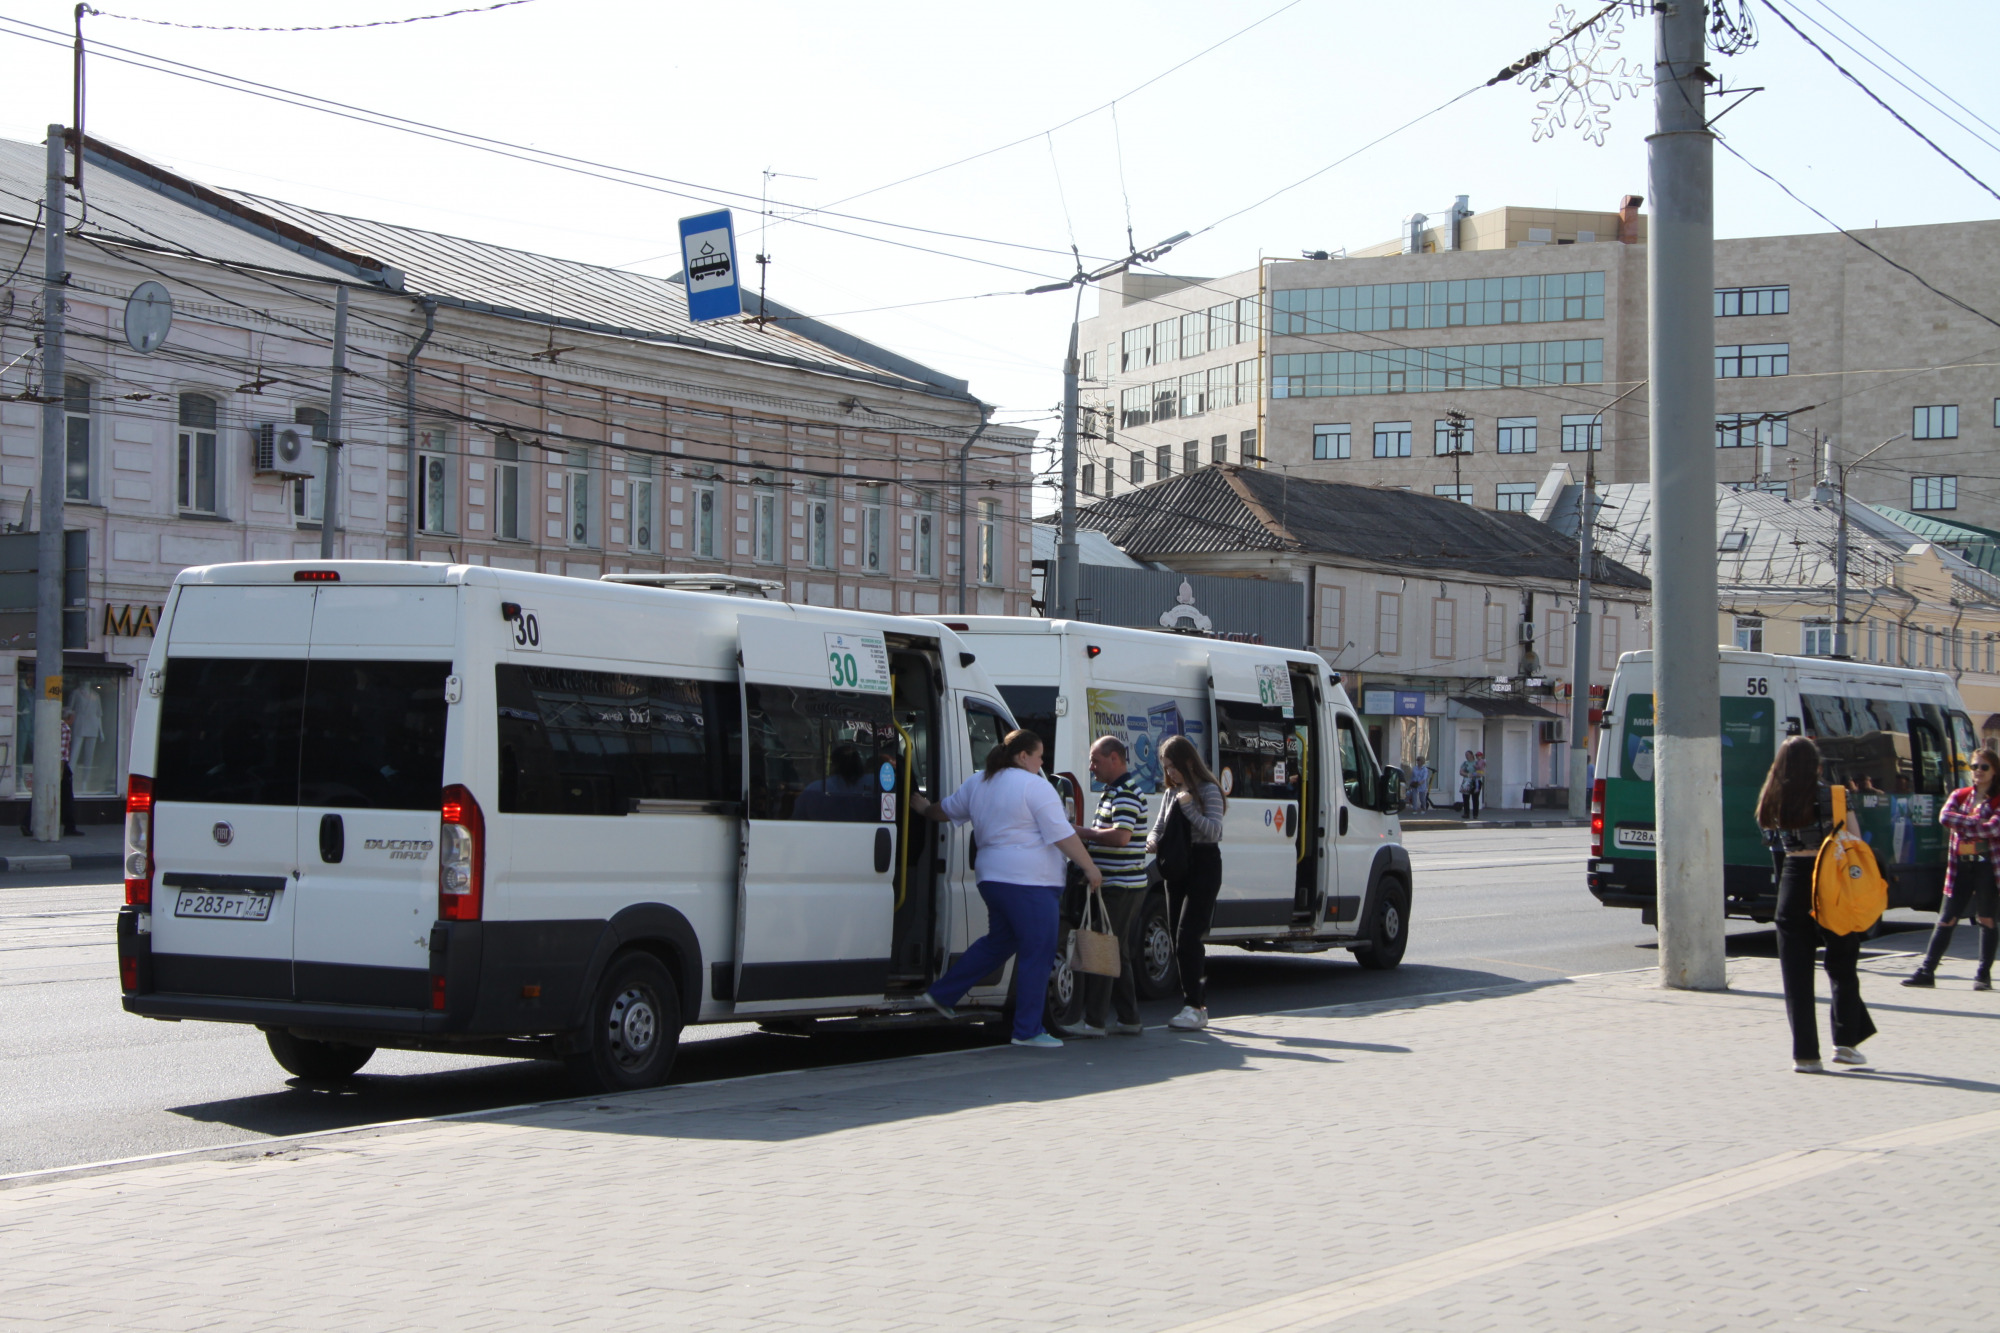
[(85, 1082)]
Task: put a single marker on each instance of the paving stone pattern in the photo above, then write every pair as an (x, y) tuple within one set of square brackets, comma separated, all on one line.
[(1115, 1184)]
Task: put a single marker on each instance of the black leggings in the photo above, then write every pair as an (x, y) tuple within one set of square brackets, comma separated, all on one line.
[(1799, 937), (1974, 882), (1193, 897)]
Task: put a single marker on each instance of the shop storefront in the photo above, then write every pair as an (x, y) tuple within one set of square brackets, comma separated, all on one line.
[(96, 704)]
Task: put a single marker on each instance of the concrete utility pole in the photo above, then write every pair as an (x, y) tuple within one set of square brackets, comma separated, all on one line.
[(49, 553), (329, 508), (1840, 648), (964, 481), (1687, 704), (1068, 564), (1579, 676)]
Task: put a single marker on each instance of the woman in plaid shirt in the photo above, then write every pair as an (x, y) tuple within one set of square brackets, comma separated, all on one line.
[(1971, 816)]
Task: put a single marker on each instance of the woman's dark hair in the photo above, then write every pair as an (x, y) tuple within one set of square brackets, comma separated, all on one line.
[(1014, 744), (1791, 789), (1182, 754)]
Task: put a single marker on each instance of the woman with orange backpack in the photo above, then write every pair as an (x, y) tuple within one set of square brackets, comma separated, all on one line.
[(1795, 811), (1971, 816)]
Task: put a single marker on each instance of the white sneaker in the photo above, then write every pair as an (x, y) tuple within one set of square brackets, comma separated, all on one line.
[(938, 1005), (1847, 1055), (1189, 1019), (1807, 1067), (1041, 1041), (1079, 1031)]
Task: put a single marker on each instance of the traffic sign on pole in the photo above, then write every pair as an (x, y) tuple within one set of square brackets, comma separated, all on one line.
[(708, 264)]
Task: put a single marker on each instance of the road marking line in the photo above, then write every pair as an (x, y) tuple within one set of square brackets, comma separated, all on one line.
[(1400, 1282)]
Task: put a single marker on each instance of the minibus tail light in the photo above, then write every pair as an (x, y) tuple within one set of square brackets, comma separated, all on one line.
[(1597, 818), (315, 576), (461, 856), (138, 841)]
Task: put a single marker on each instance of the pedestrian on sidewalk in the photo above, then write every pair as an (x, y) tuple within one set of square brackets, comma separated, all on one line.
[(1195, 796), (1795, 810), (1971, 817), (1470, 774), (1420, 785), (1114, 842), (1024, 834)]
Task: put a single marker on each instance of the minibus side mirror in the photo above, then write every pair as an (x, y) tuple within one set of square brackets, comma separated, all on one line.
[(1392, 791)]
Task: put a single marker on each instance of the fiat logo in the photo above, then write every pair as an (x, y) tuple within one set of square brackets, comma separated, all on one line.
[(224, 834)]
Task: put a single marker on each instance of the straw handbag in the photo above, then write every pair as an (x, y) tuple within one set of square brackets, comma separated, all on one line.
[(1097, 950)]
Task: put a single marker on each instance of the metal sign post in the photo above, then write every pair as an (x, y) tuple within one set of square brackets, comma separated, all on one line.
[(708, 264)]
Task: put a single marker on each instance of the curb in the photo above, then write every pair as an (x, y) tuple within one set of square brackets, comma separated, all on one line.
[(1428, 825), (60, 861)]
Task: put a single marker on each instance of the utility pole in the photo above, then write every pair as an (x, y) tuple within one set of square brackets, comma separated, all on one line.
[(1840, 648), (1069, 571), (1459, 422), (1687, 708), (49, 553), (1579, 671), (330, 496)]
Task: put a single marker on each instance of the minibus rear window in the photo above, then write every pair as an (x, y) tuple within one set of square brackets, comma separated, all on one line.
[(373, 735), (229, 731)]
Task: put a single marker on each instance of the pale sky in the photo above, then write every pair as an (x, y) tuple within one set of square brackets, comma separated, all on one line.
[(856, 96)]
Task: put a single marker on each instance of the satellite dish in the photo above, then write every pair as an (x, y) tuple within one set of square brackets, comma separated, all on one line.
[(149, 313)]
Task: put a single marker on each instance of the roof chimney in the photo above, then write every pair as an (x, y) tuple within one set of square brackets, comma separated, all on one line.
[(1413, 234), (1628, 217), (1461, 209)]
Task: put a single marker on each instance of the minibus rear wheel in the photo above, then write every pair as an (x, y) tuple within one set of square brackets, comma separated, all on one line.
[(634, 1028), (316, 1061), (1155, 971), (1389, 929)]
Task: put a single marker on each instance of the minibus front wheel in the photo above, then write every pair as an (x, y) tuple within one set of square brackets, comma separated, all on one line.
[(634, 1028), (1389, 929), (316, 1061)]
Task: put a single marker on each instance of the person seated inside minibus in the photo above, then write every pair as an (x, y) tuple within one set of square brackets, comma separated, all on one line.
[(849, 793)]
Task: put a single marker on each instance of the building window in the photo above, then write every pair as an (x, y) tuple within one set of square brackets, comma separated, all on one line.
[(1752, 301), (76, 438), (926, 526), (1392, 439), (1581, 434), (1090, 364), (1221, 387), (1218, 449), (1163, 461), (871, 528), (1333, 617), (1380, 307), (1496, 631), (1514, 496), (582, 513), (1136, 348), (1192, 388), (1444, 628), (819, 534), (1933, 492), (989, 541), (1221, 326), (1753, 361), (704, 521), (1088, 480), (1166, 340), (1134, 407), (1190, 455), (1461, 492), (1194, 333), (1816, 638), (1330, 442), (1750, 633), (1246, 383), (309, 493), (197, 470), (433, 480), (1746, 430), (643, 521), (764, 518), (1449, 437), (506, 487), (1388, 623), (1555, 640), (1138, 467), (1417, 369), (1246, 449), (1247, 322), (1607, 643), (1516, 435), (1935, 423)]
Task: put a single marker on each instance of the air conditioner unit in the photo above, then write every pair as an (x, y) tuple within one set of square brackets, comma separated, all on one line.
[(1527, 631), (1552, 733), (284, 449)]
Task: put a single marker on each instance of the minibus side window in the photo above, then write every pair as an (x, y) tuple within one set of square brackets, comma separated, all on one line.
[(818, 754), (1357, 767), (229, 731), (373, 735), (1034, 708), (985, 728), (595, 742), (1878, 745), (1257, 752)]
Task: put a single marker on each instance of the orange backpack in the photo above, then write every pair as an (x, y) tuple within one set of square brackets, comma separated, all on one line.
[(1849, 893)]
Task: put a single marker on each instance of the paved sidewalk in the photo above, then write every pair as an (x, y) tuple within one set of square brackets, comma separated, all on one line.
[(1592, 1154), (102, 847)]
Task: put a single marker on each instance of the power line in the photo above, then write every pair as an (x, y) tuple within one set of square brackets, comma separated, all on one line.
[(1893, 76), (330, 27), (1906, 65)]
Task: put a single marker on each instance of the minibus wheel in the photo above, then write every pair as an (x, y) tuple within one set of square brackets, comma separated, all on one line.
[(316, 1061), (634, 1028), (1389, 929), (1065, 1003), (1155, 971)]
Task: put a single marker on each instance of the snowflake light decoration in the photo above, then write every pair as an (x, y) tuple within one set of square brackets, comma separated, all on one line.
[(1578, 70)]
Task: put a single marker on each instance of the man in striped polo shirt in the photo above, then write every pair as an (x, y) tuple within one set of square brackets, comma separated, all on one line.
[(1117, 841)]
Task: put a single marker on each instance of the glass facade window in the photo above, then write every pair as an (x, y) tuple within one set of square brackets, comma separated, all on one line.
[(1461, 303), (1753, 361), (1933, 492), (1448, 438), (1392, 439), (1582, 434), (1412, 369), (1746, 430), (1514, 496), (1935, 423), (1515, 435), (1752, 301), (1331, 442)]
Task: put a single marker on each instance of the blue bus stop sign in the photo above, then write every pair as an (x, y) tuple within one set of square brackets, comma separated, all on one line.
[(708, 263)]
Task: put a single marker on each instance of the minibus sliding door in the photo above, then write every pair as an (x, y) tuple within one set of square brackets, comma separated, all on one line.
[(1256, 759), (816, 893)]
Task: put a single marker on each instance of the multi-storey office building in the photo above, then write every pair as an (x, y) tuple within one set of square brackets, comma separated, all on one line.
[(504, 408), (1458, 359)]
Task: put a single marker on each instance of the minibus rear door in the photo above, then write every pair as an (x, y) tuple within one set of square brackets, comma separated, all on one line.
[(816, 898)]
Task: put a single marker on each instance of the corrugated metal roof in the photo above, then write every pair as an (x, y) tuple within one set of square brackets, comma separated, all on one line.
[(1979, 547), (1233, 508)]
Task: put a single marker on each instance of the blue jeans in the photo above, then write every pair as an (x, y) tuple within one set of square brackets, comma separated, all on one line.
[(1020, 923)]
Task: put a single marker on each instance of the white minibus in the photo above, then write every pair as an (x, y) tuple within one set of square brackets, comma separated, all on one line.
[(1312, 854), (380, 804)]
